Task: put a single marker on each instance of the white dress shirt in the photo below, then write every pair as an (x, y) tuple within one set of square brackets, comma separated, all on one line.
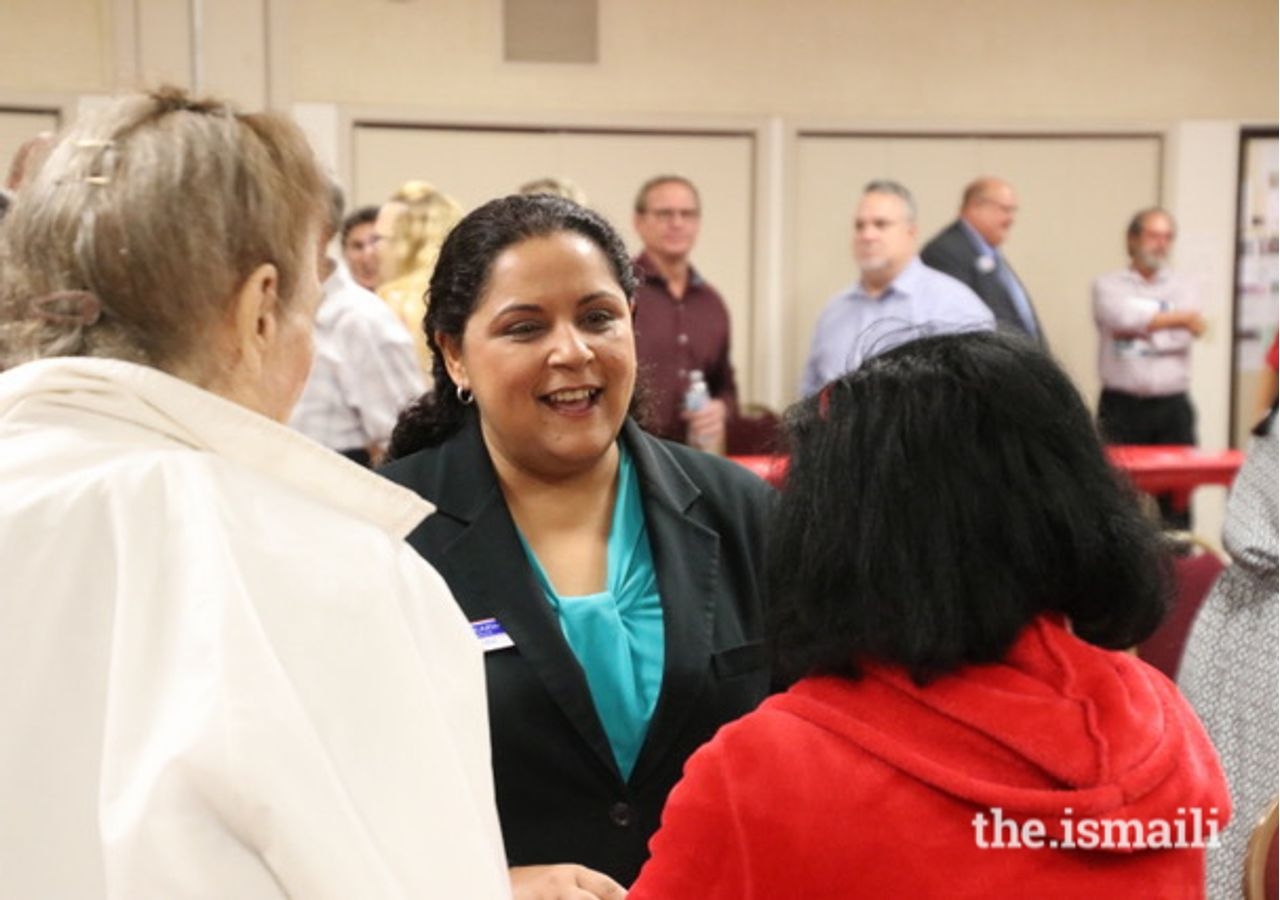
[(223, 673), (1132, 359), (365, 369)]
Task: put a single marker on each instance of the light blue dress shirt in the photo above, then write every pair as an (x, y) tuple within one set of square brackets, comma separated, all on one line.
[(855, 326), (617, 634)]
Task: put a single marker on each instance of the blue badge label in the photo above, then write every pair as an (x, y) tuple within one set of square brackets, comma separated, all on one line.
[(491, 635)]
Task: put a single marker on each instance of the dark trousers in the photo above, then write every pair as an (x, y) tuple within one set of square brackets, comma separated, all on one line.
[(1130, 419)]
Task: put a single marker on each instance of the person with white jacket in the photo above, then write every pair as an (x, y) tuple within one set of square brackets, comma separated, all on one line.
[(222, 671)]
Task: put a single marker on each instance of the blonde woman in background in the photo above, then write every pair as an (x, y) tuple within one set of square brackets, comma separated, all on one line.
[(222, 671), (411, 227), (555, 186)]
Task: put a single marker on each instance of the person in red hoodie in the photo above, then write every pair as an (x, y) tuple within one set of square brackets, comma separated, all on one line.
[(955, 572)]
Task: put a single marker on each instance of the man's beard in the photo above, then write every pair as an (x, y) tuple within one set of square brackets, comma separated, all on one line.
[(1150, 261)]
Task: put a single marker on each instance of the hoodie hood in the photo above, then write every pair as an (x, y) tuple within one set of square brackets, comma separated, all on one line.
[(1060, 731)]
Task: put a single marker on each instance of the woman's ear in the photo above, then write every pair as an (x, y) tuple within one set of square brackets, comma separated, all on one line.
[(451, 349), (245, 339), (257, 309)]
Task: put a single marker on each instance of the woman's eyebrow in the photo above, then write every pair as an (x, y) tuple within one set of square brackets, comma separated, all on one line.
[(597, 295)]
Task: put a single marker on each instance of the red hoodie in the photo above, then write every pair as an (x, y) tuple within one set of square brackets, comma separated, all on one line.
[(972, 786)]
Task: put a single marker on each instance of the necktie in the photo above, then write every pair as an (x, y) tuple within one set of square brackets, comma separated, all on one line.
[(1020, 301)]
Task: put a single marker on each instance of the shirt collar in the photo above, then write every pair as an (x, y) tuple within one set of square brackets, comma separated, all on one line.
[(979, 243), (335, 284), (905, 284), (648, 271), (340, 277), (1161, 276)]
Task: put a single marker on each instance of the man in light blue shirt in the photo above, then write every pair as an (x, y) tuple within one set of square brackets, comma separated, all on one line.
[(896, 299)]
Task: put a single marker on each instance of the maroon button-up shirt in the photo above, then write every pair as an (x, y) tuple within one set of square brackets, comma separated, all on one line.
[(674, 337)]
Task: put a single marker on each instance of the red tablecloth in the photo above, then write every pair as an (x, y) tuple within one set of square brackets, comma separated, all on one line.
[(772, 469), (1177, 470)]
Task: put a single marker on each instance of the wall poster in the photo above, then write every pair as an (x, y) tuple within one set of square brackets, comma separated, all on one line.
[(1257, 276)]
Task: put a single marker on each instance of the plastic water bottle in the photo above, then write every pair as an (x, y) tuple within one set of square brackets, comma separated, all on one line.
[(695, 398)]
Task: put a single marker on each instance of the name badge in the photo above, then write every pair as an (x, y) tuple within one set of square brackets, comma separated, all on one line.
[(1128, 348), (491, 635)]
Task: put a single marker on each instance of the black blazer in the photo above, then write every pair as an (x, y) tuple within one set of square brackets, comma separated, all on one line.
[(560, 795), (951, 251)]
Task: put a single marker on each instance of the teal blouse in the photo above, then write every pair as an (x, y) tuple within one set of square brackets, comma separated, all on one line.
[(617, 634)]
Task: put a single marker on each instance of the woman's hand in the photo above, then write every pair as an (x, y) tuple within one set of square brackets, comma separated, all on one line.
[(563, 882)]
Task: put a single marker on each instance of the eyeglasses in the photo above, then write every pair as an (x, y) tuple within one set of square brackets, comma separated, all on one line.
[(876, 224), (1008, 209), (671, 215)]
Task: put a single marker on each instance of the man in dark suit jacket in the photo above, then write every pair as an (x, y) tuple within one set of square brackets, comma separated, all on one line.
[(969, 249)]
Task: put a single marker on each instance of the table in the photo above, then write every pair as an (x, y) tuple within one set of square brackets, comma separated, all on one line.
[(1177, 470)]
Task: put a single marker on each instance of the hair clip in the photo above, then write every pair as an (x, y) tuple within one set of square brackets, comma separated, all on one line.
[(102, 162), (81, 308)]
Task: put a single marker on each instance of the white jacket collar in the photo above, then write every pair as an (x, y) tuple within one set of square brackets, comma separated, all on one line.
[(183, 413)]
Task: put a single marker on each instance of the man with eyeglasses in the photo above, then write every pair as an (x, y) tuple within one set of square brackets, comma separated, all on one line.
[(897, 297), (681, 323), (1148, 316), (969, 250)]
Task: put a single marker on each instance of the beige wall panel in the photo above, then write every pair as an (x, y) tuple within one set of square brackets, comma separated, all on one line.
[(164, 43), (477, 165), (470, 166), (1076, 194), (233, 51), (55, 45), (1007, 59), (933, 169), (17, 126)]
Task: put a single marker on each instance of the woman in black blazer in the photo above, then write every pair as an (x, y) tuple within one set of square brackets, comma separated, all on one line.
[(528, 451)]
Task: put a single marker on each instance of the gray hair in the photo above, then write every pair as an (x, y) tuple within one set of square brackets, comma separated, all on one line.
[(149, 216), (889, 186)]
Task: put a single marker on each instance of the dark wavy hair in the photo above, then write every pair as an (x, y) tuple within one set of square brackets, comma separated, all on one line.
[(940, 498), (460, 279)]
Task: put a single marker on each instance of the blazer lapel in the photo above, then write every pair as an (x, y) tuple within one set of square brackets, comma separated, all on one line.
[(686, 556), (488, 557)]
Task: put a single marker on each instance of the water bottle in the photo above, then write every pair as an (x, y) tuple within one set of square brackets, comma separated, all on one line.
[(695, 398)]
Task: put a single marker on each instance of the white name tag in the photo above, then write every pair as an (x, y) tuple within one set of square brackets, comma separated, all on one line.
[(492, 635), (1126, 348)]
